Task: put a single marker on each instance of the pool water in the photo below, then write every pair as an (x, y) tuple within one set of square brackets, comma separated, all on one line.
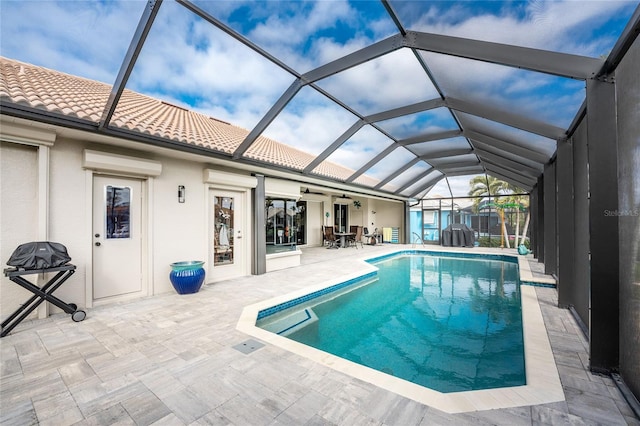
[(446, 323)]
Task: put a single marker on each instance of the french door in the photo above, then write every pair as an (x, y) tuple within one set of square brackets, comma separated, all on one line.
[(228, 247)]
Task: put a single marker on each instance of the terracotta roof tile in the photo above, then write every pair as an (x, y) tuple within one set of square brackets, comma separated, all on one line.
[(53, 91)]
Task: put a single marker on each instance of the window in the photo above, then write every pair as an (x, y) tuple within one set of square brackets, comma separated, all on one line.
[(118, 203), (300, 222), (224, 230), (281, 225)]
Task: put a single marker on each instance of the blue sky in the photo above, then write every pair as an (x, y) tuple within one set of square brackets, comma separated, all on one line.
[(188, 62)]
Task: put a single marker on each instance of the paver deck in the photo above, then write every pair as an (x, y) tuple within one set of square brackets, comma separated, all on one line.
[(179, 360)]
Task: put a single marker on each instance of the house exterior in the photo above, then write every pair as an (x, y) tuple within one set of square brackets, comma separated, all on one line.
[(126, 208)]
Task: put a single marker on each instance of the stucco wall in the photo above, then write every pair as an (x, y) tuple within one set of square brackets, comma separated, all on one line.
[(388, 214), (68, 215), (18, 213), (176, 231), (315, 218), (628, 109), (180, 230)]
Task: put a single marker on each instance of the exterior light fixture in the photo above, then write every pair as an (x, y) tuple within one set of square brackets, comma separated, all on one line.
[(181, 193)]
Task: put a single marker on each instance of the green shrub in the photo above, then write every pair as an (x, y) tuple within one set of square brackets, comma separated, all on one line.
[(494, 241), (489, 242)]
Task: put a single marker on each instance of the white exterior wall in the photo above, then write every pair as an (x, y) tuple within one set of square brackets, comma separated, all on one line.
[(43, 174), (180, 230), (177, 231), (315, 217), (68, 215), (388, 214), (18, 214)]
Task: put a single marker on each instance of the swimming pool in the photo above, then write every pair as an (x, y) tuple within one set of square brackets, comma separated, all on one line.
[(541, 387), (447, 323)]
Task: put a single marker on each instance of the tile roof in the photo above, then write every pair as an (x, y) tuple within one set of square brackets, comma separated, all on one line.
[(57, 92)]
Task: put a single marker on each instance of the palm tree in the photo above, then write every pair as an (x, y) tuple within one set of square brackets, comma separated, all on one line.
[(482, 185)]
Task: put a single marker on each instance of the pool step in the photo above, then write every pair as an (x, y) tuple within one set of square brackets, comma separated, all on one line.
[(291, 323)]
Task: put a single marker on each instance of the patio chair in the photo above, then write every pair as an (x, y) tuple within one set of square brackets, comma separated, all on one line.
[(372, 239), (330, 237), (357, 238)]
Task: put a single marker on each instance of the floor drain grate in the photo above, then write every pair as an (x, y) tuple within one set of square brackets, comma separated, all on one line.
[(248, 346)]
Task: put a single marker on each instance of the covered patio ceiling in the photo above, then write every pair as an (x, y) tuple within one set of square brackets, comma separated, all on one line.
[(403, 93)]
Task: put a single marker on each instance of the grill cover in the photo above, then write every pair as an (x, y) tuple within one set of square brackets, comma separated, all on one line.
[(39, 255), (458, 235)]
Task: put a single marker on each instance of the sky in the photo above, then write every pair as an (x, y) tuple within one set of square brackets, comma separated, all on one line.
[(188, 62)]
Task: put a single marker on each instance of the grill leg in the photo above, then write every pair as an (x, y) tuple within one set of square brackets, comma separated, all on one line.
[(40, 295)]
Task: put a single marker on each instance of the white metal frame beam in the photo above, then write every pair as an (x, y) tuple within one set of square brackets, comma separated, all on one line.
[(388, 150), (280, 104), (444, 154), (500, 172), (428, 137), (506, 117), (142, 30), (498, 159), (429, 183), (397, 173), (478, 138), (548, 62)]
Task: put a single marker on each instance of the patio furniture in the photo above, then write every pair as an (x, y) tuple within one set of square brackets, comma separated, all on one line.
[(373, 238), (343, 237), (356, 238), (330, 237)]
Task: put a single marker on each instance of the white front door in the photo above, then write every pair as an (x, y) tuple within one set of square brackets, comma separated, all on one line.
[(117, 238), (228, 253)]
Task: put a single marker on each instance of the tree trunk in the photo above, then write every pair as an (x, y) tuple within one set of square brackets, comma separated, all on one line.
[(526, 227), (515, 244), (505, 236)]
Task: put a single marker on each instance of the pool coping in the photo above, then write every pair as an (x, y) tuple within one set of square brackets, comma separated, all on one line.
[(543, 381)]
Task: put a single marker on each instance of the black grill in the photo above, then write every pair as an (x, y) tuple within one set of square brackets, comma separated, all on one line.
[(36, 258)]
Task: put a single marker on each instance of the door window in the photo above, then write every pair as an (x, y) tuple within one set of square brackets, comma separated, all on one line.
[(118, 212), (223, 230)]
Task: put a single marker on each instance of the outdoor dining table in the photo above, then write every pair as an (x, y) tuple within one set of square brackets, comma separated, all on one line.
[(343, 237)]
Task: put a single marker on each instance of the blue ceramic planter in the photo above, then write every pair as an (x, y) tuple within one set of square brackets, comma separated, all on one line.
[(187, 277)]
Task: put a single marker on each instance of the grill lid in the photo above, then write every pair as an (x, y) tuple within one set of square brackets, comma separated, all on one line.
[(39, 255)]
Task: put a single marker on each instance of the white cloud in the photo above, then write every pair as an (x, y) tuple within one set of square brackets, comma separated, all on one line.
[(360, 148), (83, 38), (549, 25), (388, 82), (189, 62), (310, 123)]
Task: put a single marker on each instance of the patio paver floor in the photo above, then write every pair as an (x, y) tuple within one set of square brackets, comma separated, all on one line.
[(170, 360)]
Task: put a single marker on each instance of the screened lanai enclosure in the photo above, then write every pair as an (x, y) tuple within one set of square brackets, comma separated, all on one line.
[(391, 90), (401, 100)]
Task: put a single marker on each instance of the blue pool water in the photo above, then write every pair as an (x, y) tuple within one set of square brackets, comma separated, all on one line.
[(446, 323)]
